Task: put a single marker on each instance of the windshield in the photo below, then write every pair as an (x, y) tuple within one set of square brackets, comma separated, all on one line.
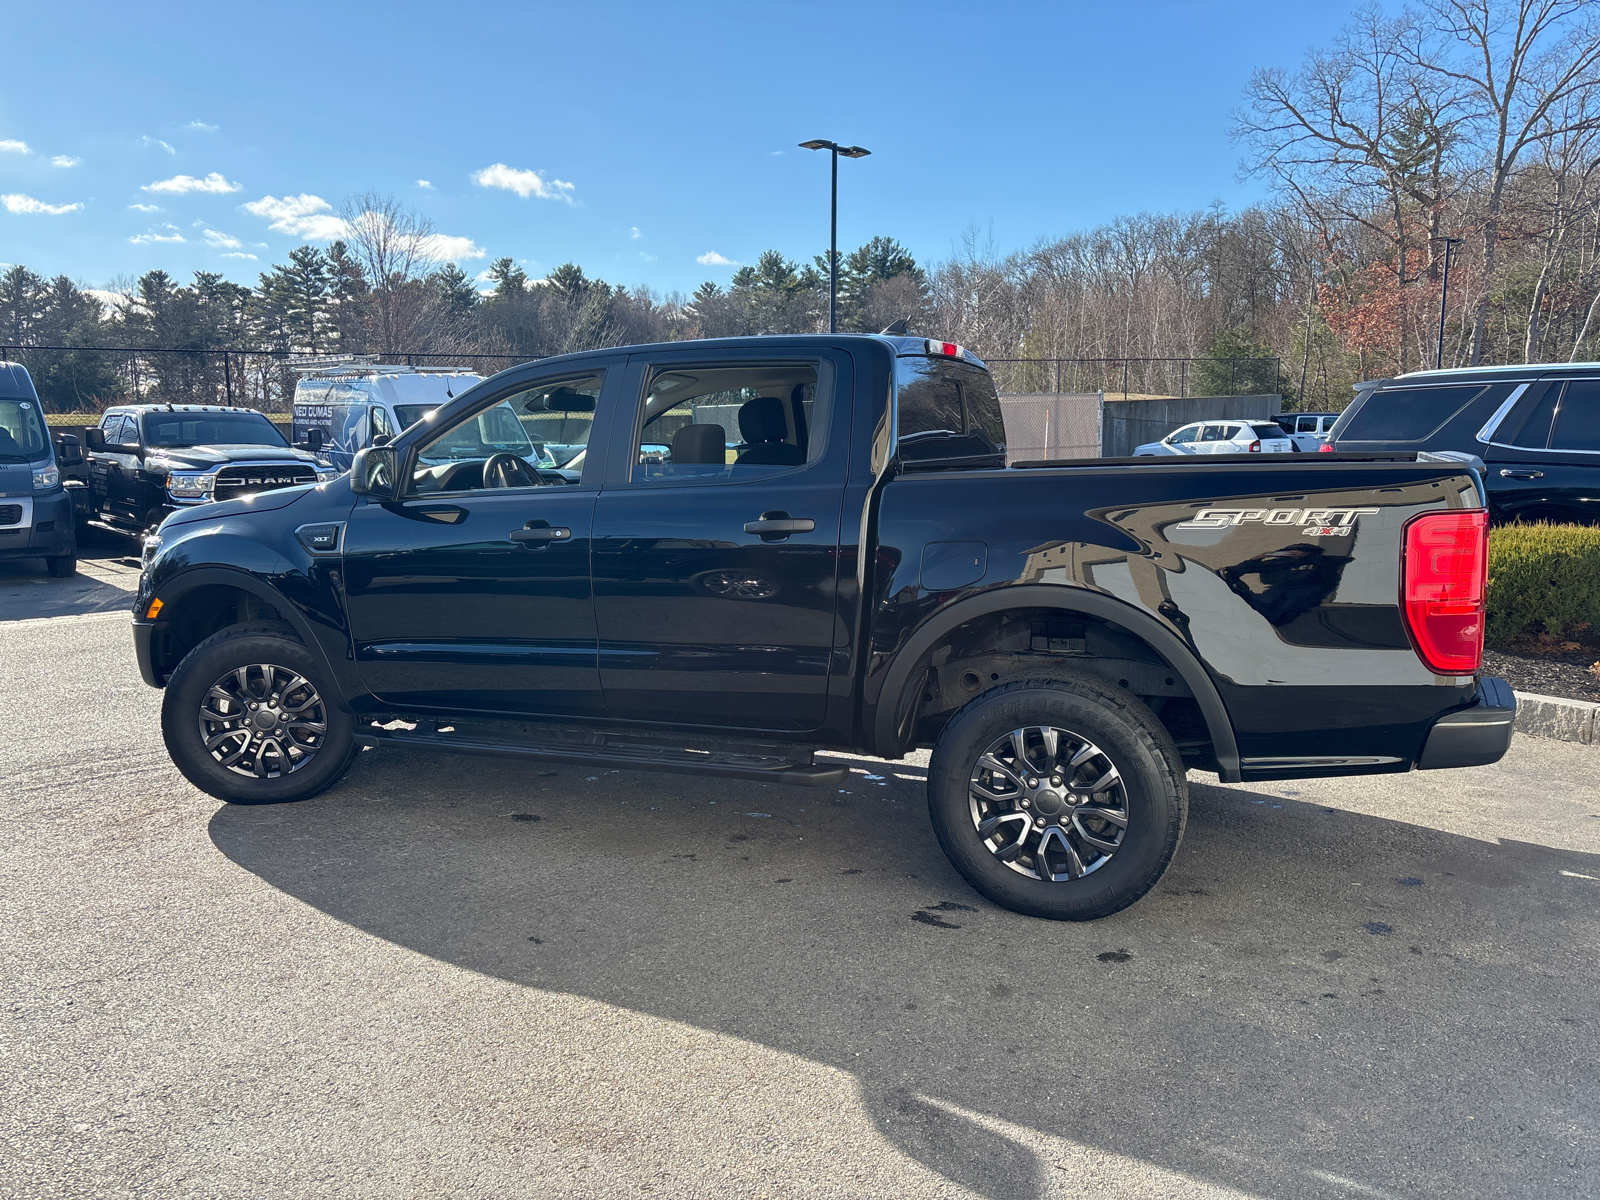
[(22, 436), (209, 429), (409, 414)]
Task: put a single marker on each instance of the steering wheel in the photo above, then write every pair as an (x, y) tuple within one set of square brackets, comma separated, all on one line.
[(507, 470)]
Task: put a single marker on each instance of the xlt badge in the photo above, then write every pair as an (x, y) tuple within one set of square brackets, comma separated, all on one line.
[(1316, 522)]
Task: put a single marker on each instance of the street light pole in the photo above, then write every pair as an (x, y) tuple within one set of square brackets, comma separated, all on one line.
[(1450, 244), (833, 221)]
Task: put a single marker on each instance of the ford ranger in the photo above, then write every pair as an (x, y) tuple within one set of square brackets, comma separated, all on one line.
[(776, 546)]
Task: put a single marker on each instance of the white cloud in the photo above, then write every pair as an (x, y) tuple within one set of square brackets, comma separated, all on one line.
[(647, 257), (302, 216), (12, 146), (147, 140), (145, 239), (179, 184), (634, 233), (145, 207), (523, 183), (423, 183), (712, 259), (444, 246), (18, 203), (201, 127), (240, 254), (222, 241), (65, 160)]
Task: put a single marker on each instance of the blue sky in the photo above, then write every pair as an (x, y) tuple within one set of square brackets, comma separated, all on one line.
[(645, 142)]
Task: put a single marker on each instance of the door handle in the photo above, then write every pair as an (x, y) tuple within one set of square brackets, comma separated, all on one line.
[(1506, 473), (540, 533), (779, 523)]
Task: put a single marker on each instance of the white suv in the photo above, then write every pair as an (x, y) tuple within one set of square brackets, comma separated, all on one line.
[(1221, 437)]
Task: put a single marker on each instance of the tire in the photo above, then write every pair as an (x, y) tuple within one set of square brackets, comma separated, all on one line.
[(315, 759), (62, 567), (1096, 865)]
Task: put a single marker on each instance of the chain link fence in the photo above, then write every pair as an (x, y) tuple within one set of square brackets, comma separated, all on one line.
[(1178, 377), (88, 378)]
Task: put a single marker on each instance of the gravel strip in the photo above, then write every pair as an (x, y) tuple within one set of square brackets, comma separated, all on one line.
[(1564, 675)]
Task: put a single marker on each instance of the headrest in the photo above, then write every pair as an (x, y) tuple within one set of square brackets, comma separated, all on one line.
[(699, 444), (761, 420)]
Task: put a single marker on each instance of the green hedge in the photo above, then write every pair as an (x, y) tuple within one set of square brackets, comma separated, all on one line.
[(1548, 574)]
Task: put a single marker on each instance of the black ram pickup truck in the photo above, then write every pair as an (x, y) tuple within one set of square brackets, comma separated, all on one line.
[(775, 546), (146, 461)]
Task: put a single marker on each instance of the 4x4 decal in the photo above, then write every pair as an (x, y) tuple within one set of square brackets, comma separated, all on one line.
[(1315, 522)]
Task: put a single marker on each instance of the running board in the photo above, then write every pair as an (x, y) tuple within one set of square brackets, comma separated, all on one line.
[(595, 750)]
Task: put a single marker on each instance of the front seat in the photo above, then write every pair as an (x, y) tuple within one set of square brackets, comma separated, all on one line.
[(765, 433), (699, 445)]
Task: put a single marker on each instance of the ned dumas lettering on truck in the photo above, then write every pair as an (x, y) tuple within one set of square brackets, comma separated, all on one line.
[(1315, 522)]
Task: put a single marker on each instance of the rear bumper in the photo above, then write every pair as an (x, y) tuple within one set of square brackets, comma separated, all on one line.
[(1474, 736)]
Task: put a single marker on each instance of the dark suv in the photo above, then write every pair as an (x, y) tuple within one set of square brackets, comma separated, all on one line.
[(148, 460), (1536, 428)]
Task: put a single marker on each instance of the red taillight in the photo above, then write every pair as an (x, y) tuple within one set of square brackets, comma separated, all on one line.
[(1442, 588), (1325, 448), (1255, 447)]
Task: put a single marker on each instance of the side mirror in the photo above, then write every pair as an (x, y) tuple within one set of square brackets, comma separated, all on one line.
[(374, 473), (94, 438), (68, 453), (313, 440)]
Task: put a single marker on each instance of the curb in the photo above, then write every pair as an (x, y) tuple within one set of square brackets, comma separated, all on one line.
[(1558, 719)]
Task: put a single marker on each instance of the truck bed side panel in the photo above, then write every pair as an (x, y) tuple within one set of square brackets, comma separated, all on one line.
[(1284, 580)]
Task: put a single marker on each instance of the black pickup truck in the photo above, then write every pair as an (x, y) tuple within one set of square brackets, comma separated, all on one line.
[(832, 553), (148, 460)]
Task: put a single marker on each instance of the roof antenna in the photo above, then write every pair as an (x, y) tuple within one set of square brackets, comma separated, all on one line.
[(897, 329)]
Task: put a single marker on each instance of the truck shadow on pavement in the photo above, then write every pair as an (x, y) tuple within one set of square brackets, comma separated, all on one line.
[(1312, 1003)]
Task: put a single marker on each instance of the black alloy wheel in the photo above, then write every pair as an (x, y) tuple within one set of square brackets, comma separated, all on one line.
[(1058, 797), (249, 718)]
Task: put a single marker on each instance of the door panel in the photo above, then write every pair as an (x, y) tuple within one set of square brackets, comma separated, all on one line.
[(705, 624), (448, 613)]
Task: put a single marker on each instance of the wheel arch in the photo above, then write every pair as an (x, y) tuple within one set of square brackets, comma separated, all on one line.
[(895, 704), (209, 585)]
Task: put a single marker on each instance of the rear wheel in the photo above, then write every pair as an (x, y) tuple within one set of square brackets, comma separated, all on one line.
[(1058, 797), (249, 717), (62, 566)]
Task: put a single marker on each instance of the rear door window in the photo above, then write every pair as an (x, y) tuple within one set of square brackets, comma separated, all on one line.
[(1527, 426), (1408, 414), (948, 410), (1577, 421)]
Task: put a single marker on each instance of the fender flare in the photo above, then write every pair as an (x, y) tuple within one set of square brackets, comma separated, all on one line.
[(891, 697), (182, 584)]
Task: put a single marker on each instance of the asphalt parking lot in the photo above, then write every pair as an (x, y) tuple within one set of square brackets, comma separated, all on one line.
[(465, 977)]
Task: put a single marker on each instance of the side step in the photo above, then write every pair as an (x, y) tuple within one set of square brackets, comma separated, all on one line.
[(769, 764)]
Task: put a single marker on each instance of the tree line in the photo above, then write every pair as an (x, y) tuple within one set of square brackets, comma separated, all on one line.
[(1472, 125)]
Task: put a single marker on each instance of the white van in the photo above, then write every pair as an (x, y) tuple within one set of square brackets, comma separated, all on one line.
[(351, 405)]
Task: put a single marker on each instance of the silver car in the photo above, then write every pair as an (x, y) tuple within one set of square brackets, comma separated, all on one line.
[(1221, 437)]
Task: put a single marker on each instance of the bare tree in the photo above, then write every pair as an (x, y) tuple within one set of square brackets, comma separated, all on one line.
[(1524, 69), (394, 246)]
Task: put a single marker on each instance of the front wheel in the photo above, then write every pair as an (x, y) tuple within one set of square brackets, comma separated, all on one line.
[(249, 717), (62, 566), (1058, 797)]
